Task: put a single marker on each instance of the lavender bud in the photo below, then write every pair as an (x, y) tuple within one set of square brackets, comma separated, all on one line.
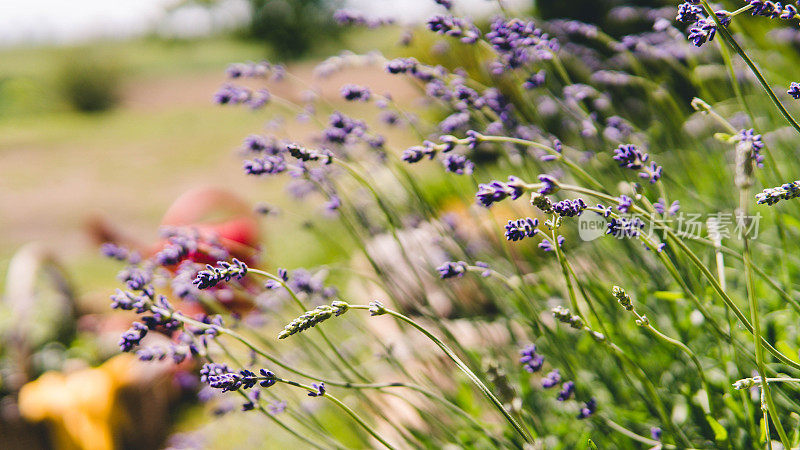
[(313, 318)]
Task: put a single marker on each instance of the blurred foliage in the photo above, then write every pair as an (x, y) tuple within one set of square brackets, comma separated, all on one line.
[(293, 27), (89, 81)]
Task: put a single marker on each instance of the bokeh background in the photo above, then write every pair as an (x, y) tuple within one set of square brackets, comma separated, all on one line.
[(106, 118)]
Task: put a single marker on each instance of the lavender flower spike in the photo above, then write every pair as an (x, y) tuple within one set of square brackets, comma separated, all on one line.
[(452, 269), (213, 275), (531, 361), (517, 230), (785, 191), (496, 191)]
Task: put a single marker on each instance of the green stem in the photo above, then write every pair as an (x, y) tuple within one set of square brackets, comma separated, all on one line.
[(464, 368), (754, 316), (343, 406)]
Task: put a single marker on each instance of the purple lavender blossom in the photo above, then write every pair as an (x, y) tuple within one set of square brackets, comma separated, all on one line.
[(588, 409), (127, 301), (569, 208), (651, 172), (276, 407), (751, 143), (333, 203), (772, 10), (549, 184), (630, 157), (705, 29), (794, 90), (458, 164), (417, 153), (655, 433), (136, 279), (401, 65), (520, 229), (496, 191), (352, 92), (230, 94), (486, 273), (114, 251), (454, 27), (455, 121), (320, 390), (255, 143), (551, 379), (567, 389), (448, 4), (452, 269), (689, 13), (259, 99), (624, 228), (518, 42), (132, 337), (625, 204), (269, 165), (547, 246), (531, 361), (661, 207), (535, 80), (225, 272)]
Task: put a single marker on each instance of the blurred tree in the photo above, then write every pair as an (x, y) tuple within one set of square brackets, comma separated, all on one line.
[(89, 82), (293, 27)]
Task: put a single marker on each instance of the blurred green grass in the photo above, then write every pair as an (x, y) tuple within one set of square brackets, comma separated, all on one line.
[(132, 162)]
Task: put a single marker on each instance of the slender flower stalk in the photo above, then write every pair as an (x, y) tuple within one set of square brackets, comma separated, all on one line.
[(459, 363)]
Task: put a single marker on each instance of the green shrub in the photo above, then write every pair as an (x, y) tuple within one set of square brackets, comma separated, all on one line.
[(89, 82)]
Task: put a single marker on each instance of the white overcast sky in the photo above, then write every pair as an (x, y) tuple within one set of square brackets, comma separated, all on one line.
[(70, 21)]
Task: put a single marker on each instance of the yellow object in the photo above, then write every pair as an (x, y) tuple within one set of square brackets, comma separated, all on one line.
[(80, 406)]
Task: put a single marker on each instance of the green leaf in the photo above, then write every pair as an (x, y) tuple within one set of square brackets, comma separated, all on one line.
[(720, 433)]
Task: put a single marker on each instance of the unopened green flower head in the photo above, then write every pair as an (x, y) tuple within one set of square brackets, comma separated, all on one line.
[(313, 317), (543, 203), (563, 315), (622, 297)]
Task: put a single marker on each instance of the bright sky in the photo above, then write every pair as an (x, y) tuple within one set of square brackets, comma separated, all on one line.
[(67, 21)]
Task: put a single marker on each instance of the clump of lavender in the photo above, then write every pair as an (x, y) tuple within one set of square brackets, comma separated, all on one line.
[(458, 164), (569, 208), (630, 157), (748, 156), (530, 360), (457, 27), (551, 379), (352, 92), (517, 230), (623, 227), (588, 409), (567, 389), (519, 42)]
